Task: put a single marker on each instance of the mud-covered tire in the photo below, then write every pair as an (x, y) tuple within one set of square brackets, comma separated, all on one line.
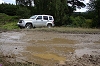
[(20, 27), (49, 25), (28, 26)]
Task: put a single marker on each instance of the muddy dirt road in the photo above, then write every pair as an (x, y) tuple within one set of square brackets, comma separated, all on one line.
[(47, 48)]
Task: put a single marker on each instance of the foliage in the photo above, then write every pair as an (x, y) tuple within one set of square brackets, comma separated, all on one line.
[(4, 18), (57, 8), (8, 9), (8, 22), (23, 12), (76, 3), (89, 23), (13, 10), (24, 2), (10, 26), (62, 12), (78, 21), (94, 6)]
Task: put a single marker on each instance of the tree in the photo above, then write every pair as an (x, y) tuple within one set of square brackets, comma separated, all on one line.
[(24, 2), (8, 9), (23, 12), (78, 21), (76, 4), (94, 6), (57, 8)]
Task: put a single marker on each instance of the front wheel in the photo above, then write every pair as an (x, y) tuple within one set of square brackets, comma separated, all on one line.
[(28, 26), (20, 27)]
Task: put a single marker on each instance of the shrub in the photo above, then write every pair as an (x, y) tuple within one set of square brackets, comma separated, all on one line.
[(10, 26), (78, 21), (23, 12), (89, 23), (8, 22)]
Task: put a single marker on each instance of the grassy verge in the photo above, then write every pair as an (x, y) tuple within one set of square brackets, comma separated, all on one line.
[(8, 22), (10, 26), (68, 30), (14, 27)]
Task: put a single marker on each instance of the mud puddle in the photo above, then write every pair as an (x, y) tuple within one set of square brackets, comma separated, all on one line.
[(48, 48), (54, 41), (50, 51)]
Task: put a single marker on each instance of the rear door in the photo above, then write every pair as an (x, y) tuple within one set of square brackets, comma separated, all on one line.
[(45, 20)]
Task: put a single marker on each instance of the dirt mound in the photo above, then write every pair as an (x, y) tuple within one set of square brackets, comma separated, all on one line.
[(85, 60)]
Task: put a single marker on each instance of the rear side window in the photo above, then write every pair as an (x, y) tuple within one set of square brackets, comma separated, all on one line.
[(45, 17), (39, 18), (50, 18)]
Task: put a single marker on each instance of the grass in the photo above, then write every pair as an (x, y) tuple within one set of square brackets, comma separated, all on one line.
[(13, 26), (10, 26), (8, 22), (68, 30)]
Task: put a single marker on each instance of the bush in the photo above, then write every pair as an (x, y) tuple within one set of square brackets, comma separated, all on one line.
[(89, 23), (8, 22), (23, 12), (78, 21), (10, 26), (8, 9)]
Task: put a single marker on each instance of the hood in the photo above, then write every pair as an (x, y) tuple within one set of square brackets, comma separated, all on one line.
[(27, 19)]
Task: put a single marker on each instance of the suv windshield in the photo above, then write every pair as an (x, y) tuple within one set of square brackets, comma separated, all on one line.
[(33, 17)]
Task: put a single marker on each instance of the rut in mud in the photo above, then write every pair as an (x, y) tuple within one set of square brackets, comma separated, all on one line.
[(48, 48)]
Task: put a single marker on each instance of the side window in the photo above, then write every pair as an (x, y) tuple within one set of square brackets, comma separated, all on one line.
[(45, 17), (50, 18), (39, 18)]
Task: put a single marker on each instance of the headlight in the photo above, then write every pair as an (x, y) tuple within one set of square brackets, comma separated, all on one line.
[(20, 21)]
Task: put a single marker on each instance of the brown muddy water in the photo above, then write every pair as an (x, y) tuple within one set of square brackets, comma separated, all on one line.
[(47, 48)]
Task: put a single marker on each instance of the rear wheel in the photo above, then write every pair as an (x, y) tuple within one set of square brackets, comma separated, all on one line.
[(28, 26), (49, 25)]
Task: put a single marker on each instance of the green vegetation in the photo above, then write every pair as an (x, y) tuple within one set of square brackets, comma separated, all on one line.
[(8, 22), (64, 14), (69, 30), (94, 8)]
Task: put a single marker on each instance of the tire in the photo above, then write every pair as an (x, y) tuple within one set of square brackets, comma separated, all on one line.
[(49, 25), (28, 26), (20, 27)]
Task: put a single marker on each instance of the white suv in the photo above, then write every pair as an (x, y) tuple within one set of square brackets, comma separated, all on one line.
[(37, 21)]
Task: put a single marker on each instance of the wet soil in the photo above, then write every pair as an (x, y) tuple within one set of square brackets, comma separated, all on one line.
[(48, 48)]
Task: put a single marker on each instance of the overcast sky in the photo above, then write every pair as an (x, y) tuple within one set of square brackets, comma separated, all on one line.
[(13, 2), (7, 1), (83, 9)]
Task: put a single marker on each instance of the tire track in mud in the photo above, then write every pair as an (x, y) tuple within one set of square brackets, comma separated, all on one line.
[(34, 46)]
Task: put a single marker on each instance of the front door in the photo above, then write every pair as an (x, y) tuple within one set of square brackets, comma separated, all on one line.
[(38, 21)]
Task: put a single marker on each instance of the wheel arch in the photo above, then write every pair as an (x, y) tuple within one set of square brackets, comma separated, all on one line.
[(49, 24), (29, 23)]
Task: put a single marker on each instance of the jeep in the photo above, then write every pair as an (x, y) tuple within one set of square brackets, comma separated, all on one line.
[(37, 21)]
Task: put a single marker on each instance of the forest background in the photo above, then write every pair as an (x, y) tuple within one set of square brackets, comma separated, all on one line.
[(64, 14)]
